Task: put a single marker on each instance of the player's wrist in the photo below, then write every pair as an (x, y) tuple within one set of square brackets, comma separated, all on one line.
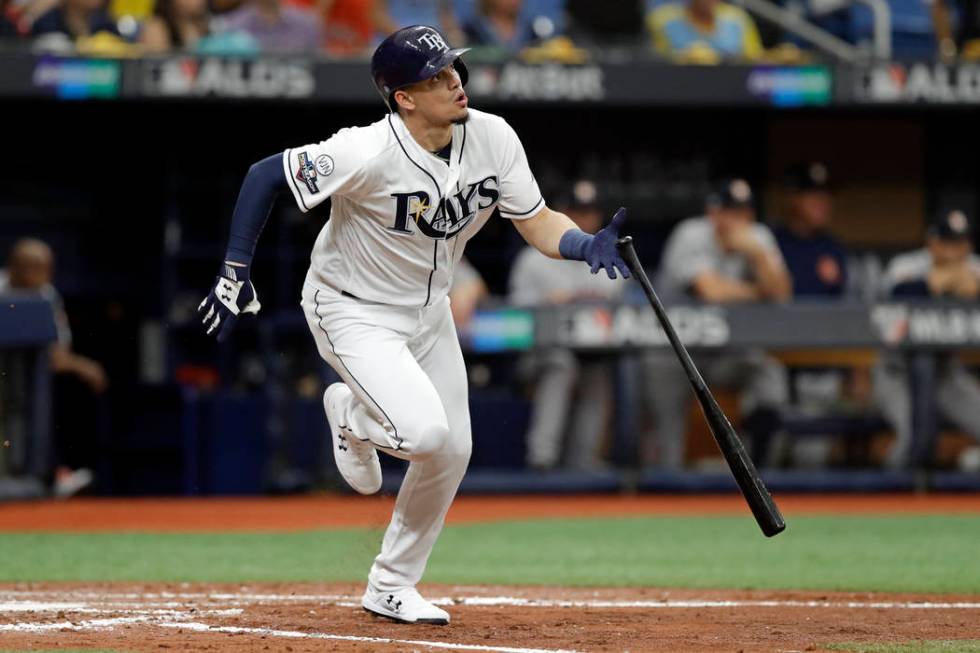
[(234, 268), (574, 244)]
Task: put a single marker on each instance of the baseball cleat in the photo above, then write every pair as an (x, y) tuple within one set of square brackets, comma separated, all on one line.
[(405, 605), (356, 459)]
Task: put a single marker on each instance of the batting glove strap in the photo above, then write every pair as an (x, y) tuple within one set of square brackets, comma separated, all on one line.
[(229, 298), (230, 294)]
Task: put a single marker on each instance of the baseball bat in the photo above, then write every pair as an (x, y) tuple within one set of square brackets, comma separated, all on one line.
[(763, 507)]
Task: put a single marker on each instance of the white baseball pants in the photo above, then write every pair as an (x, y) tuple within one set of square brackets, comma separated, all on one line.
[(410, 399)]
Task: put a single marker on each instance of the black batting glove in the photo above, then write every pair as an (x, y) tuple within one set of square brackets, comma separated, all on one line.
[(233, 295)]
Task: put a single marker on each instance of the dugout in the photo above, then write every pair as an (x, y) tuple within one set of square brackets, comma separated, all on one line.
[(132, 175)]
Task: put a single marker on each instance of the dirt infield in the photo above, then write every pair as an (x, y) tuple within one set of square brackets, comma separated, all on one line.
[(304, 513), (327, 617), (307, 618)]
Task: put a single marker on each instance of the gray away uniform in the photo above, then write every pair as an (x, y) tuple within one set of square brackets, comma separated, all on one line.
[(534, 281), (957, 390), (691, 250)]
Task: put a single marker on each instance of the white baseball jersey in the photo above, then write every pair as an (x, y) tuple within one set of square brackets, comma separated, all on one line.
[(400, 215)]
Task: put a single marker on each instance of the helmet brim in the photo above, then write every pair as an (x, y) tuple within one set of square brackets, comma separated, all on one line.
[(433, 67)]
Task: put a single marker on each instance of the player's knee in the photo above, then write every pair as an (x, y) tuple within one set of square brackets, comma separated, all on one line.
[(458, 452), (428, 439)]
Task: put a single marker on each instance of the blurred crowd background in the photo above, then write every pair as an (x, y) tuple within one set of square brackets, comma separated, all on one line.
[(115, 213), (700, 31)]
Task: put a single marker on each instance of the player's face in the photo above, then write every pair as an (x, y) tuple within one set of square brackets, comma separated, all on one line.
[(31, 269), (949, 251), (729, 220), (814, 208), (440, 100)]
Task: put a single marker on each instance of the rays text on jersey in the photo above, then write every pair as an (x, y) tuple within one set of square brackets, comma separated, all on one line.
[(451, 214)]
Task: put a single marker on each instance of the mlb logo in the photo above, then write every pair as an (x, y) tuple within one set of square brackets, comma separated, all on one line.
[(307, 172)]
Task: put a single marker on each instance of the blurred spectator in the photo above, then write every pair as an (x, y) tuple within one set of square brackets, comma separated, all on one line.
[(704, 31), (351, 25), (537, 280), (466, 294), (817, 262), (176, 25), (276, 27), (619, 22), (501, 25), (75, 19), (957, 24), (723, 257), (435, 13), (8, 21), (30, 268), (946, 269)]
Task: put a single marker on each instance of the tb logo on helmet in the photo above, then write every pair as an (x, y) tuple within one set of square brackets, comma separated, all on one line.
[(433, 41)]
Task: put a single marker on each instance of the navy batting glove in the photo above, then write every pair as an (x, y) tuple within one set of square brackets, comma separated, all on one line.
[(599, 251), (233, 294)]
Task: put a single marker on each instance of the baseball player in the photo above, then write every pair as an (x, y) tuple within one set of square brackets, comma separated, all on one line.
[(408, 192), (945, 269), (724, 256)]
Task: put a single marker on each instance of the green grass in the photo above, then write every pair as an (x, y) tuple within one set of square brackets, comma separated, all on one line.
[(933, 553), (944, 646)]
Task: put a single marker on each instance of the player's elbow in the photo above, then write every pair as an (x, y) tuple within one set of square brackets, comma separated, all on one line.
[(268, 173)]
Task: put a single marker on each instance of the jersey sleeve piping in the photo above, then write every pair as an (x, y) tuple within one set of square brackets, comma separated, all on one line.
[(523, 214)]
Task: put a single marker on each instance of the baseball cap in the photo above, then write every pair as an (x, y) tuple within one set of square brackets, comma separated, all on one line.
[(804, 177), (952, 225), (731, 194), (582, 194)]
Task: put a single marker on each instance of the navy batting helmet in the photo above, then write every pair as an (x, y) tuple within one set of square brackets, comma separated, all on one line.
[(410, 55)]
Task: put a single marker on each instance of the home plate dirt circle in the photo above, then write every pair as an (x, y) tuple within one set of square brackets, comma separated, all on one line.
[(328, 617)]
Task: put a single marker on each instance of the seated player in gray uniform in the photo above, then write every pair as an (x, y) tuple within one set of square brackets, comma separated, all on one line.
[(557, 373), (78, 379), (722, 257), (946, 269)]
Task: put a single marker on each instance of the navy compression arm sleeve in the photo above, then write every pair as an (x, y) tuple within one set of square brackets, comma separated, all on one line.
[(263, 183)]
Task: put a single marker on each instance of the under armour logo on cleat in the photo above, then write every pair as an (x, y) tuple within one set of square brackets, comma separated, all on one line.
[(395, 605), (342, 445)]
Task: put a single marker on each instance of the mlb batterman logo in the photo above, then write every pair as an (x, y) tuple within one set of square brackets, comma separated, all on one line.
[(306, 172)]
